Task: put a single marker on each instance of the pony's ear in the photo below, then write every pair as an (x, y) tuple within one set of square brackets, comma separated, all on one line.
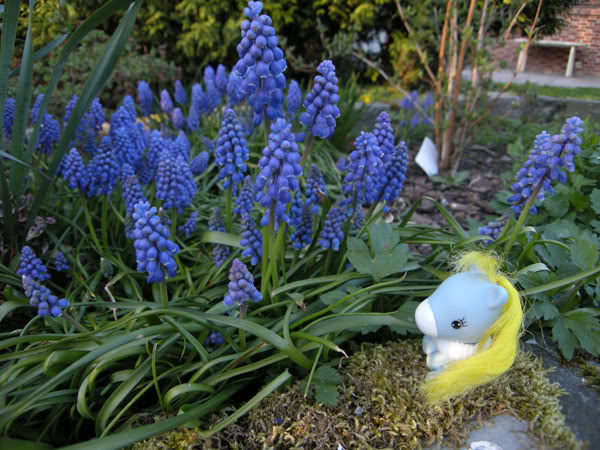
[(496, 296)]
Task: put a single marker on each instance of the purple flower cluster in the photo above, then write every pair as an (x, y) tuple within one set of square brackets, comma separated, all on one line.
[(493, 229), (279, 171), (303, 228), (153, 249), (395, 174), (61, 263), (145, 97), (131, 192), (332, 234), (321, 102), (213, 96), (245, 199), (315, 187), (199, 99), (233, 86), (216, 222), (214, 338), (261, 64), (166, 103), (199, 164), (232, 150), (35, 109), (293, 101), (40, 297), (252, 241), (544, 164), (190, 225), (179, 120), (9, 116), (175, 184), (241, 285), (362, 171), (221, 79), (180, 95), (31, 266), (74, 171), (49, 134), (103, 170)]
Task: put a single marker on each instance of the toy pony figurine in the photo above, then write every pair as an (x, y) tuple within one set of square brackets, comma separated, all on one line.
[(471, 324)]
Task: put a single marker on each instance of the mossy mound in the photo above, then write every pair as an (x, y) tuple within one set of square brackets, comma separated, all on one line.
[(381, 407)]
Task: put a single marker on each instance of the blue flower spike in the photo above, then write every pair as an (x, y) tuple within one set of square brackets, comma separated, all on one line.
[(241, 285), (279, 172), (332, 234), (61, 263), (252, 242), (315, 188), (245, 199), (216, 222), (199, 164), (153, 248), (180, 95), (40, 297), (261, 64), (31, 266), (321, 102), (190, 225), (232, 150), (166, 103), (145, 98)]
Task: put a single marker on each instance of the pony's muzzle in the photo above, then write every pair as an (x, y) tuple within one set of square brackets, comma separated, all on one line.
[(425, 319)]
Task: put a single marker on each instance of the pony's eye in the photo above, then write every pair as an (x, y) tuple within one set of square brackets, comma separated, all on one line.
[(457, 324)]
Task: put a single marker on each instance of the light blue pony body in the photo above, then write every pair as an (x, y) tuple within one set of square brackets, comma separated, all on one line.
[(456, 316)]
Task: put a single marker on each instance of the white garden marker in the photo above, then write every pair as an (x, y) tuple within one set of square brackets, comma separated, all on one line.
[(427, 157)]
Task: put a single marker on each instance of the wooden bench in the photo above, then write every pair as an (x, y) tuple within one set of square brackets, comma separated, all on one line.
[(522, 61)]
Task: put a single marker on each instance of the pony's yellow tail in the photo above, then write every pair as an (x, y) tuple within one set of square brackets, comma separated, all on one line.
[(460, 377)]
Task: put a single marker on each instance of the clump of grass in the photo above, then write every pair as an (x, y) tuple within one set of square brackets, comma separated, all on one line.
[(381, 406)]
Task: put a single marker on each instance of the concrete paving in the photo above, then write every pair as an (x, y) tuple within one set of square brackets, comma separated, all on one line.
[(502, 76)]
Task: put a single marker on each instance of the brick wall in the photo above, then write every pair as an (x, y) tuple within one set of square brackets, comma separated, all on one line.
[(583, 25)]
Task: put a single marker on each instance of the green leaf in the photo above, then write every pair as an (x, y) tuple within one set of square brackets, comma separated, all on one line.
[(595, 198), (39, 54), (327, 374), (542, 309), (596, 225), (325, 381), (586, 327), (388, 257), (218, 237), (579, 200), (584, 251), (563, 229), (567, 342), (18, 444), (557, 205)]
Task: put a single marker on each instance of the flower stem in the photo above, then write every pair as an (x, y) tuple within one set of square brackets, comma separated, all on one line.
[(228, 209), (327, 262), (164, 294), (80, 327), (88, 219), (243, 313), (264, 272), (104, 223), (307, 148), (523, 216)]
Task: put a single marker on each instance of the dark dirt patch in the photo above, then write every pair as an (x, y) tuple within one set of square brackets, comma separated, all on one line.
[(469, 200)]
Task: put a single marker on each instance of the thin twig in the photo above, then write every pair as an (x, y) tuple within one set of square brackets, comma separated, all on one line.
[(438, 98), (420, 51)]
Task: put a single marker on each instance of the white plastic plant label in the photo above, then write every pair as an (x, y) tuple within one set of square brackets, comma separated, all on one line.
[(427, 157)]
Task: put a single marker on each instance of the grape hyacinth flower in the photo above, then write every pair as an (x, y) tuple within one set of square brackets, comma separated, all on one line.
[(81, 127), (252, 242), (40, 297), (156, 147), (180, 96), (166, 103), (153, 249), (104, 170), (199, 164), (212, 94), (293, 101), (233, 86), (199, 99), (193, 118), (493, 229), (9, 116), (279, 171), (125, 147), (332, 234), (359, 219), (216, 222), (182, 145), (145, 98), (175, 184), (179, 120), (550, 154), (74, 171), (61, 263), (221, 79), (35, 109), (245, 200), (295, 210), (362, 171), (303, 228), (341, 164), (232, 150), (321, 102), (31, 266), (214, 338), (315, 187), (261, 64), (385, 135), (49, 134), (131, 192), (395, 175), (190, 225), (241, 285)]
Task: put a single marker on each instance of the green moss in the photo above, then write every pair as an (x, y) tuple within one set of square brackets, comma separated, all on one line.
[(381, 407)]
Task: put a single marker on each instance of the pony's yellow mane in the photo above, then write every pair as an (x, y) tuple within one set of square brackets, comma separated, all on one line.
[(460, 377)]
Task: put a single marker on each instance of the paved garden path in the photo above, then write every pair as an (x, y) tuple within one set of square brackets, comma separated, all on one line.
[(502, 76)]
